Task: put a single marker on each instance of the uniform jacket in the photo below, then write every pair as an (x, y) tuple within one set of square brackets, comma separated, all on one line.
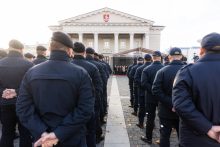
[(162, 89), (13, 67), (147, 79), (196, 98), (137, 77), (108, 67), (105, 69), (133, 71), (129, 69), (40, 59), (93, 73), (100, 67), (56, 96)]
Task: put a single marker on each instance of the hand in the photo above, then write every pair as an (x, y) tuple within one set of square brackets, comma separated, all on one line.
[(173, 109), (214, 133), (9, 93), (46, 140)]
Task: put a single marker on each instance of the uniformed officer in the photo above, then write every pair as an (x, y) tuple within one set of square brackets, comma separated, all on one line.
[(41, 55), (56, 98), (141, 93), (196, 97), (166, 61), (94, 127), (90, 57), (130, 82), (162, 89), (147, 79), (140, 61), (101, 58), (13, 67), (30, 57)]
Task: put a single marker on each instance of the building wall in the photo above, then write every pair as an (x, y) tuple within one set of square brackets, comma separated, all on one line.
[(154, 40)]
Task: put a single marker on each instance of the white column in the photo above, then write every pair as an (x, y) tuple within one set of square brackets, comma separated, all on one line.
[(146, 41), (96, 42), (131, 40), (116, 43), (80, 37)]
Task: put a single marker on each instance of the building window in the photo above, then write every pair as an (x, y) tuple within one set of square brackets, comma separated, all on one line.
[(106, 44), (138, 44), (123, 44), (90, 44)]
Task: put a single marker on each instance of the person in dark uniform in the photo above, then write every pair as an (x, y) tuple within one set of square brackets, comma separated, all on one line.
[(30, 57), (94, 126), (196, 97), (184, 60), (101, 58), (13, 68), (140, 61), (147, 79), (137, 80), (90, 57), (166, 61), (162, 89), (56, 98), (41, 55), (130, 82)]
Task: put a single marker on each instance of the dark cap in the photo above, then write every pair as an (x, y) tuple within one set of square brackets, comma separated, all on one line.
[(62, 38), (90, 50), (78, 47), (157, 54), (29, 55), (147, 57), (16, 44), (41, 48), (175, 51), (211, 42), (140, 59), (166, 58), (96, 54)]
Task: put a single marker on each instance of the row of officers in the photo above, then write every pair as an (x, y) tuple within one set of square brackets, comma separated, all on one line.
[(187, 97), (58, 102)]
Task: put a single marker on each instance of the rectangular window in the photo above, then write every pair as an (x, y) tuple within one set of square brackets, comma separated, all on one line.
[(90, 44), (106, 44), (123, 44)]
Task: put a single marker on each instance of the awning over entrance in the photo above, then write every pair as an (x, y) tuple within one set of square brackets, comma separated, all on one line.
[(135, 51)]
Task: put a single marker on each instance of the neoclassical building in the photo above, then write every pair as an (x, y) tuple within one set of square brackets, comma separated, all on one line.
[(110, 31)]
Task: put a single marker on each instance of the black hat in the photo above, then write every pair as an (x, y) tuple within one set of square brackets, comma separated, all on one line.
[(211, 41), (78, 47), (147, 57), (157, 54), (140, 59), (166, 58), (29, 55), (90, 50), (41, 48), (175, 51), (96, 54), (62, 38)]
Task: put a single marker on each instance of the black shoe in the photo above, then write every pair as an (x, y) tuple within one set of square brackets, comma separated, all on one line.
[(134, 113), (141, 126), (99, 139), (149, 141)]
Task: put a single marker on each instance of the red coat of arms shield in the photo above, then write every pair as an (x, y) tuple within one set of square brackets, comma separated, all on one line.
[(106, 17)]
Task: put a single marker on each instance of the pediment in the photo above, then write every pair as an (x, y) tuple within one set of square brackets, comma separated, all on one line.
[(106, 15)]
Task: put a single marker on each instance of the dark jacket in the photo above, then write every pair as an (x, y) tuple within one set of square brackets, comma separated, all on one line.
[(105, 69), (56, 96), (147, 79), (100, 67), (108, 67), (93, 73), (13, 68), (133, 71), (40, 59), (196, 98), (162, 89), (129, 69), (137, 77)]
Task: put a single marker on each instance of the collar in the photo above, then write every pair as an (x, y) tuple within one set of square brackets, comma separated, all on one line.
[(59, 55), (140, 64), (78, 57), (15, 54), (176, 62), (41, 56), (210, 57), (156, 62)]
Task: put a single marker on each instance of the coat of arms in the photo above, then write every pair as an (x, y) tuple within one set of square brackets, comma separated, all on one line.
[(106, 17)]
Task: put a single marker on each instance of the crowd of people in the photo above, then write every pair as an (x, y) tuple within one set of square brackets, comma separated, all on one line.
[(60, 101), (186, 96), (120, 69)]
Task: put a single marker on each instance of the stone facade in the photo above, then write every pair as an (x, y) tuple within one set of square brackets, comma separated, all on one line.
[(110, 31)]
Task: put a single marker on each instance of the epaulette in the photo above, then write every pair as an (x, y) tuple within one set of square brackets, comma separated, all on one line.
[(186, 66)]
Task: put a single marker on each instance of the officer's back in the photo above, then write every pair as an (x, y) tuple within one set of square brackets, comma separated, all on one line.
[(41, 55)]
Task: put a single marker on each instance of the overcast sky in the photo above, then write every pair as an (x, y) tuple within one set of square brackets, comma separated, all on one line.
[(186, 21)]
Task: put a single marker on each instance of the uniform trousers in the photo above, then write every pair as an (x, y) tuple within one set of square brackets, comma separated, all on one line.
[(151, 113), (136, 94), (142, 111), (9, 121)]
